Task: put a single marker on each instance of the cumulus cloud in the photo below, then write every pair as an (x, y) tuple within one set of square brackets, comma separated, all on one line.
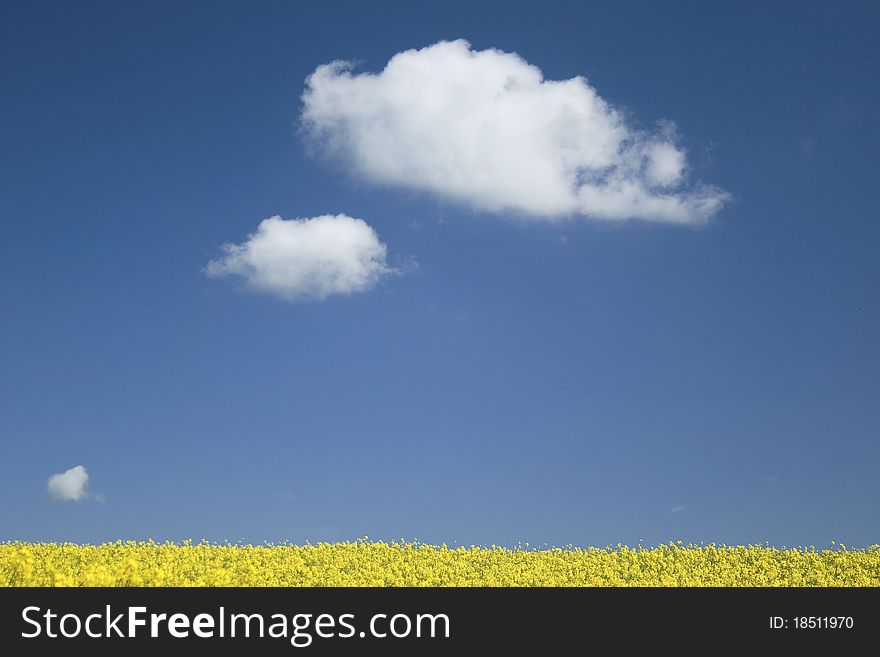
[(313, 258), (486, 129), (68, 486)]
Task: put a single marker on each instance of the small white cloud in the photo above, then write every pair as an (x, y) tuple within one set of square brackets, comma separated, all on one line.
[(298, 259), (678, 508), (69, 486), (665, 164), (486, 129)]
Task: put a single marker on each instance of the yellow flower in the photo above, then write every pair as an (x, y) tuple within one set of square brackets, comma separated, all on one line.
[(366, 563)]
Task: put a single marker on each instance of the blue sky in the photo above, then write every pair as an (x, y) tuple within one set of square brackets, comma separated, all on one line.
[(507, 378)]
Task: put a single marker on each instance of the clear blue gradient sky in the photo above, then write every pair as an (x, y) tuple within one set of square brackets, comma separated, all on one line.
[(579, 382)]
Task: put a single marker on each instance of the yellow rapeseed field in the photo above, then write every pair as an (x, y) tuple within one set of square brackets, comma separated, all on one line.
[(366, 563)]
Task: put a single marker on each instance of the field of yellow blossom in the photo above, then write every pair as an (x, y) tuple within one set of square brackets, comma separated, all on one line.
[(365, 563)]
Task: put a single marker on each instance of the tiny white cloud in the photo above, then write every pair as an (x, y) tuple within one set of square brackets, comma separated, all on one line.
[(665, 165), (484, 128), (312, 258), (678, 508), (68, 486)]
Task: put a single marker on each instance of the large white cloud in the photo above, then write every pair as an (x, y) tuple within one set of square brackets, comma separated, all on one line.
[(314, 258), (68, 486), (486, 129)]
